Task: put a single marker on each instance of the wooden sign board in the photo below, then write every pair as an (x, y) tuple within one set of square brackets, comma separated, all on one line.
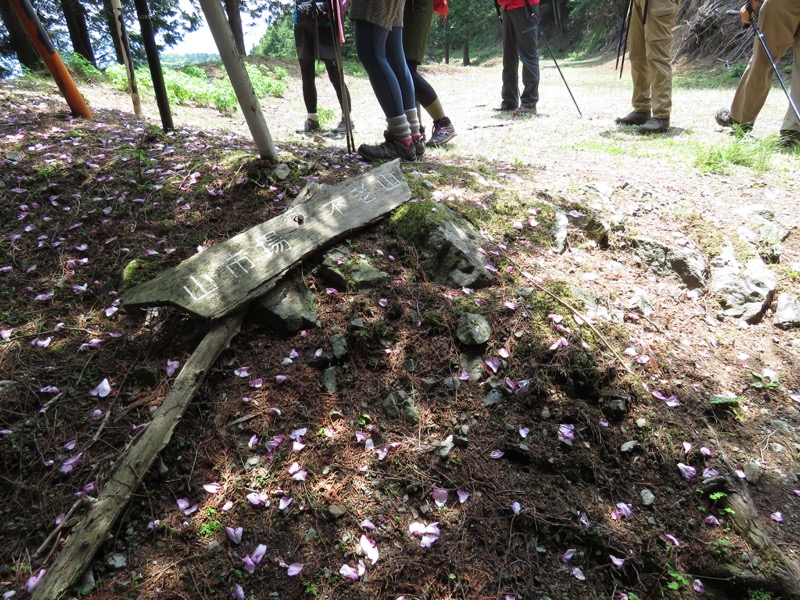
[(216, 281)]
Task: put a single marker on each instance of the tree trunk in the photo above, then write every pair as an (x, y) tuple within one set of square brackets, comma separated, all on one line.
[(466, 62), (20, 43), (234, 14), (75, 16), (111, 21)]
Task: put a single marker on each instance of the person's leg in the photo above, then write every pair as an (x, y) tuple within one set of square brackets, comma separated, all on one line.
[(753, 88), (510, 90), (423, 90), (307, 76), (658, 39), (397, 60), (527, 34), (336, 81), (637, 56), (371, 47), (304, 44), (790, 121)]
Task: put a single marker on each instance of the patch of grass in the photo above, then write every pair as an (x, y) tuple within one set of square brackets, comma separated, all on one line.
[(726, 157), (701, 78)]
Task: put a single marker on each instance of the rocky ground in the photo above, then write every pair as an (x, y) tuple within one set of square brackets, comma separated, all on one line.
[(627, 428)]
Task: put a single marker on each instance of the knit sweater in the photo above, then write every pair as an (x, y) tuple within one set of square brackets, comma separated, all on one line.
[(383, 13)]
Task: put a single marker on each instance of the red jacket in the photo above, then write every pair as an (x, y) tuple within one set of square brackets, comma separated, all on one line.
[(512, 4)]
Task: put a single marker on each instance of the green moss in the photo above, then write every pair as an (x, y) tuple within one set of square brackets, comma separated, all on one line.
[(414, 221), (137, 271)]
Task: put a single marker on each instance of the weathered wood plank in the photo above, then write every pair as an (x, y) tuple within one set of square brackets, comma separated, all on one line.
[(216, 281), (92, 531)]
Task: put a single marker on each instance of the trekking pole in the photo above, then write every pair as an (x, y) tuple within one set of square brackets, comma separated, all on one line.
[(623, 37), (553, 56), (338, 30), (760, 36)]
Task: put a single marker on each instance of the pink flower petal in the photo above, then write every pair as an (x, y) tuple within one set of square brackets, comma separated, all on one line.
[(280, 378), (687, 471), (496, 454), (234, 533), (568, 555), (711, 520), (238, 592), (34, 580), (698, 586), (294, 569), (367, 524), (258, 553), (672, 539), (578, 574), (369, 548), (439, 496), (172, 366), (212, 488), (777, 517), (463, 496), (687, 447), (617, 562), (284, 503), (102, 390), (249, 565), (349, 572), (515, 507)]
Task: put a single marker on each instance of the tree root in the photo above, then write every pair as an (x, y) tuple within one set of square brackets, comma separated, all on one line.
[(779, 573)]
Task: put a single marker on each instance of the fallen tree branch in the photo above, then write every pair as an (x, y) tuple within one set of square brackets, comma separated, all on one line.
[(90, 534)]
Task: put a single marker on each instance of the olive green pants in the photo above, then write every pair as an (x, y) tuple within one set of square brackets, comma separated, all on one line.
[(649, 45), (779, 21)]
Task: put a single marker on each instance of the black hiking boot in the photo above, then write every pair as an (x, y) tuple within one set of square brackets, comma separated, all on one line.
[(654, 125), (388, 150), (633, 118)]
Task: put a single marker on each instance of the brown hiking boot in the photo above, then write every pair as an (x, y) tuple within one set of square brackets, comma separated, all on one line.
[(654, 126), (724, 119), (633, 118)]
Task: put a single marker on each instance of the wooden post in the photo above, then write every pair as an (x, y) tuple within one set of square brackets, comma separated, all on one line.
[(122, 37), (41, 41), (234, 65), (92, 531), (149, 39)]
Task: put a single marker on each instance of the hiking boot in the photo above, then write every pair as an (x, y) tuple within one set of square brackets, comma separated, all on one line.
[(419, 146), (507, 106), (789, 138), (388, 150), (633, 118), (654, 126), (310, 125), (443, 132), (422, 132), (724, 119), (341, 128), (524, 111)]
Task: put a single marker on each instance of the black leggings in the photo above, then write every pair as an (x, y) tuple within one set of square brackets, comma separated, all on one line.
[(308, 75), (423, 91)]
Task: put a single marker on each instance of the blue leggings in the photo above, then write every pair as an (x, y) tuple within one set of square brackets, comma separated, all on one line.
[(381, 53)]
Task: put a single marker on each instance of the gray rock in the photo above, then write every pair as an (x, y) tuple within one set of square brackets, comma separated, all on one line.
[(338, 346), (311, 535), (428, 383), (460, 441), (473, 330), (628, 446), (214, 547), (736, 286), (288, 307), (353, 274), (336, 511), (282, 171), (592, 225), (329, 380), (777, 448), (640, 301), (87, 583), (559, 230), (450, 255), (618, 405), (493, 397), (390, 407), (752, 471), (787, 311), (781, 426), (116, 561), (410, 412), (146, 376), (688, 266), (452, 383), (446, 446), (647, 497), (472, 364)]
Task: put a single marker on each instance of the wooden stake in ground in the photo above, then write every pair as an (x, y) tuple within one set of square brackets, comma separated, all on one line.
[(90, 534)]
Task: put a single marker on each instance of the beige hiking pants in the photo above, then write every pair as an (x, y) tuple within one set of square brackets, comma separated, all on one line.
[(779, 21), (649, 51)]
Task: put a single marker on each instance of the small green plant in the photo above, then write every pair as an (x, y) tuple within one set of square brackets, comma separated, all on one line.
[(758, 595), (311, 588), (209, 529), (677, 581), (721, 547), (763, 381), (723, 158), (731, 403)]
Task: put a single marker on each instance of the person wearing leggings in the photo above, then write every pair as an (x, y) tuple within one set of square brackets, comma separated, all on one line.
[(313, 38), (378, 26), (417, 20)]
